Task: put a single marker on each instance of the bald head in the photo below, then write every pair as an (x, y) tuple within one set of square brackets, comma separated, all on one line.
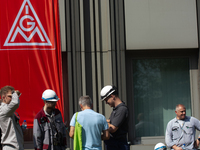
[(180, 112), (179, 106)]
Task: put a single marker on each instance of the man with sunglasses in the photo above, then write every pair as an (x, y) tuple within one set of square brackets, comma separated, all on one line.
[(12, 135), (118, 121), (49, 131), (180, 132)]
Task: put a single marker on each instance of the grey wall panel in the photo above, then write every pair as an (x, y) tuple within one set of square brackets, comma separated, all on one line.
[(197, 75), (161, 24), (95, 50), (62, 24)]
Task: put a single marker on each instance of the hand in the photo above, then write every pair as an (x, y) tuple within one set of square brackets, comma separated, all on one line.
[(108, 120), (196, 144), (176, 147), (18, 92)]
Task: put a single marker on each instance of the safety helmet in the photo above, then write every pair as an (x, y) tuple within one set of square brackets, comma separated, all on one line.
[(49, 95), (107, 91), (160, 146)]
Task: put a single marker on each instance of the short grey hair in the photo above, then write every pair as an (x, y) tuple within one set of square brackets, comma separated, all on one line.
[(179, 105), (85, 101)]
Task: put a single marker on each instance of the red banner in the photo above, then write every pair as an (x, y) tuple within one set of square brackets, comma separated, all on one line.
[(30, 52)]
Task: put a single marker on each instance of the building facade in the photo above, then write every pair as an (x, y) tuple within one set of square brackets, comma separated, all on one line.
[(148, 49)]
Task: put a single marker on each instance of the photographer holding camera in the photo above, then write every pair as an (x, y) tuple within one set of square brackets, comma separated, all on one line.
[(12, 135), (48, 129)]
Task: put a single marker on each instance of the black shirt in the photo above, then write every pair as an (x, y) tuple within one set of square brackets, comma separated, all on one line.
[(119, 118)]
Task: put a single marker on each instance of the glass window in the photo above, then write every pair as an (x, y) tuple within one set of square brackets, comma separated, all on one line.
[(159, 85)]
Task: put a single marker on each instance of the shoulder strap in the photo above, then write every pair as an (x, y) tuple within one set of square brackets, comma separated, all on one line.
[(76, 116)]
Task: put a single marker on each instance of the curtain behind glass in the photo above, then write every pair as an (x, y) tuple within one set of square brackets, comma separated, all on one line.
[(159, 85)]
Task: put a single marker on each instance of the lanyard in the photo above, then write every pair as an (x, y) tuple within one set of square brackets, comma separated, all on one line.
[(183, 131)]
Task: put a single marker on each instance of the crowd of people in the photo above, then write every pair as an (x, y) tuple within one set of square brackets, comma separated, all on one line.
[(49, 131)]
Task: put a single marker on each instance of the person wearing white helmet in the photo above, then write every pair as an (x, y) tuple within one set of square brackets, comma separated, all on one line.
[(118, 121), (48, 129), (160, 146)]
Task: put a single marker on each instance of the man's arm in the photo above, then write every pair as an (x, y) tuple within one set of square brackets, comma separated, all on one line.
[(12, 106), (71, 132), (37, 135), (112, 128), (196, 143), (105, 135), (176, 147), (168, 135), (72, 126), (197, 126)]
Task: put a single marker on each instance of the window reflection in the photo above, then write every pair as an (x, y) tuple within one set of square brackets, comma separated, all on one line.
[(159, 85)]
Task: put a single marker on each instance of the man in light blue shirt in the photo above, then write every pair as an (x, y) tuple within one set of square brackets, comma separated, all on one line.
[(180, 132), (94, 125)]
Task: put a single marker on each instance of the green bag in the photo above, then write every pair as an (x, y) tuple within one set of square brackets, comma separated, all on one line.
[(77, 135)]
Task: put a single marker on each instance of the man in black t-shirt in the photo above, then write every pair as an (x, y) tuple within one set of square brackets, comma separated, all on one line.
[(118, 121)]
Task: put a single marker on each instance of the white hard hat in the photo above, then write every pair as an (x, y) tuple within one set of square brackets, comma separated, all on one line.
[(160, 146), (107, 91), (49, 95)]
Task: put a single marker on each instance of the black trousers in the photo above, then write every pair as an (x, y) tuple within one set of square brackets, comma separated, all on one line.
[(116, 144)]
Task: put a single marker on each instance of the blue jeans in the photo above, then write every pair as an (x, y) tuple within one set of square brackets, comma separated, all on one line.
[(116, 144)]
